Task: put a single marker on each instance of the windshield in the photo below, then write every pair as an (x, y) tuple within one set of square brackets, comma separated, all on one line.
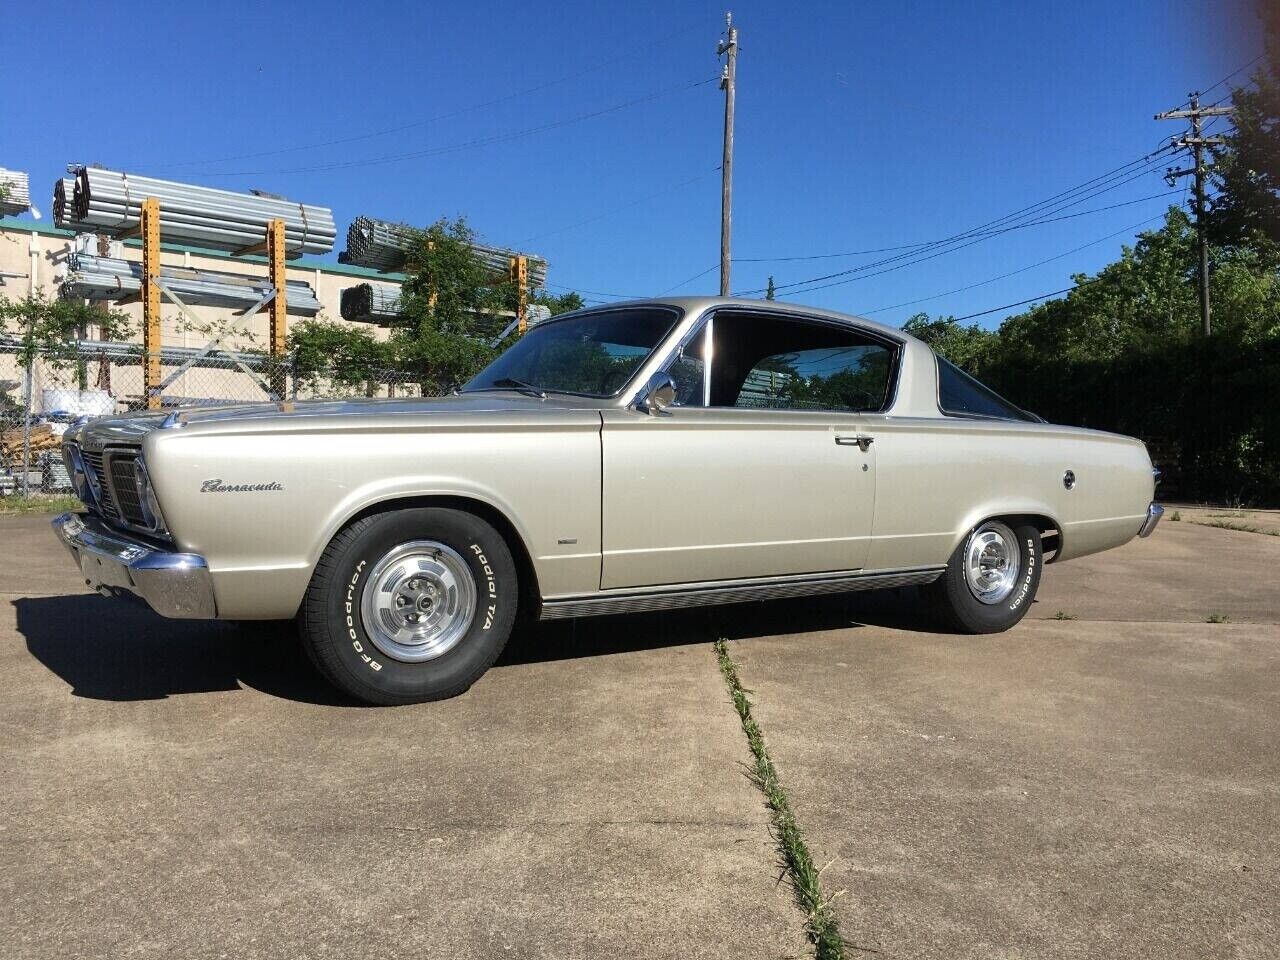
[(589, 354)]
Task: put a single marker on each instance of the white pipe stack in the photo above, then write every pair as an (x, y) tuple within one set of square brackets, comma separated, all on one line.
[(17, 192), (106, 278), (381, 245), (110, 201)]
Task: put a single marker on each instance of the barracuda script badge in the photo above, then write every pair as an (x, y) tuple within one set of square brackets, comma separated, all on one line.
[(217, 486)]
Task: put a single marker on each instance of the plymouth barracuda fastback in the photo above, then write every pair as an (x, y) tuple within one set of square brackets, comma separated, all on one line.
[(644, 456)]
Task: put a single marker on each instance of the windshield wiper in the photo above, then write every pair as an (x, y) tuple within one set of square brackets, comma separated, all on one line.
[(528, 389)]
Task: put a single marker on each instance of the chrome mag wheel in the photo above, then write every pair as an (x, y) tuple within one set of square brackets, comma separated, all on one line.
[(992, 562), (418, 601)]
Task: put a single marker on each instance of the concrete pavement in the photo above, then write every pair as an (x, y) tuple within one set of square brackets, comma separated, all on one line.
[(1107, 786), (192, 790)]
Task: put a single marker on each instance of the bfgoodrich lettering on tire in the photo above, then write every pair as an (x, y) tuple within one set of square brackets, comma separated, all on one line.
[(410, 605), (991, 579)]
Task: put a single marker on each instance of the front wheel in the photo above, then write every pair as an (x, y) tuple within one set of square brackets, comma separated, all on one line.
[(410, 605), (991, 578)]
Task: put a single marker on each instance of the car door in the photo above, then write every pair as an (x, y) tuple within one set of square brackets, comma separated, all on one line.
[(763, 468)]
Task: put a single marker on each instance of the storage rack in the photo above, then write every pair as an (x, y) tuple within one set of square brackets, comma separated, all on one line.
[(154, 288)]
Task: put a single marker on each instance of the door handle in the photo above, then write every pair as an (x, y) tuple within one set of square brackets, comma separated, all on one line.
[(860, 440)]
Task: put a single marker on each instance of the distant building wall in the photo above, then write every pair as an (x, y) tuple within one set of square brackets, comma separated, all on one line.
[(19, 238)]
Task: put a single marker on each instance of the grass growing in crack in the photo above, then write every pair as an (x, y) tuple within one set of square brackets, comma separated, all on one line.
[(1217, 618), (1177, 516), (1237, 525), (820, 920), (1063, 615)]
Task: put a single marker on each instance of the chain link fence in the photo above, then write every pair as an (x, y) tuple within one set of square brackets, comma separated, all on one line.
[(41, 396)]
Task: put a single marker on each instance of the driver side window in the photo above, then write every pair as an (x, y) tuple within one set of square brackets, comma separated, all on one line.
[(768, 362)]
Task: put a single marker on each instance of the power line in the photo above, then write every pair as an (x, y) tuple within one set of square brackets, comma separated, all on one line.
[(1011, 273), (926, 243), (477, 142), (629, 53), (1094, 188), (1021, 303), (1237, 70), (696, 276)]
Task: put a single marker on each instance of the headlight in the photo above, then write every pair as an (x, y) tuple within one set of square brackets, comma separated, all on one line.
[(147, 498)]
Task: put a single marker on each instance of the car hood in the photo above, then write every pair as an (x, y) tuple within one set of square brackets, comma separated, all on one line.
[(131, 429)]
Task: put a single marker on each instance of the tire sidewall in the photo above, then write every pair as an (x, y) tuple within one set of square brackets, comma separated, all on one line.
[(979, 617), (489, 562)]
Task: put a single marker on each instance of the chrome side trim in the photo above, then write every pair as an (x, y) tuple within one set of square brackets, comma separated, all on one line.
[(736, 591), (1154, 513), (173, 584)]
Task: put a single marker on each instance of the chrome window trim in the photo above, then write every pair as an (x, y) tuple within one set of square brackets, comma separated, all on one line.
[(706, 320)]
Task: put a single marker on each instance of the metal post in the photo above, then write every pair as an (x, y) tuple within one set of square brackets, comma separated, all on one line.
[(520, 277), (279, 305), (26, 431), (150, 292), (728, 82)]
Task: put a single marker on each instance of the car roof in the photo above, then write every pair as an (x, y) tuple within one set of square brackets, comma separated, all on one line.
[(693, 305)]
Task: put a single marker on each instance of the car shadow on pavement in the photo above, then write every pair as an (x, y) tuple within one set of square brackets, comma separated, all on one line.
[(120, 650)]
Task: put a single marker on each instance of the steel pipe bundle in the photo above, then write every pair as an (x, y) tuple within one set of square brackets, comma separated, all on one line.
[(371, 303), (111, 201), (17, 192), (106, 278), (64, 207), (381, 245)]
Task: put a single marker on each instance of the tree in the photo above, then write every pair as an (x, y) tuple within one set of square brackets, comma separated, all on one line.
[(49, 328), (348, 356), (771, 292), (968, 347), (453, 309), (1246, 171), (558, 303)]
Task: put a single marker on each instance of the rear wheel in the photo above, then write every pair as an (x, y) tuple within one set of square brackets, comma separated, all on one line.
[(410, 605), (991, 578)]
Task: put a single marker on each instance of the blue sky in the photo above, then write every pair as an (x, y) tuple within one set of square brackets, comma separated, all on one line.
[(580, 131)]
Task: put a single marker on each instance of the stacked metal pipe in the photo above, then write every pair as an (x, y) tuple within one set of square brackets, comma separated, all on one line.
[(371, 303), (111, 201), (381, 245), (106, 278), (64, 207), (17, 192)]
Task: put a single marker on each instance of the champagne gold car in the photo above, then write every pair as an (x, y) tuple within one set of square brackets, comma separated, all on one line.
[(643, 456)]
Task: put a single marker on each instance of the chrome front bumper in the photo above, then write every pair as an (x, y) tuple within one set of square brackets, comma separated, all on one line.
[(173, 584), (1154, 513)]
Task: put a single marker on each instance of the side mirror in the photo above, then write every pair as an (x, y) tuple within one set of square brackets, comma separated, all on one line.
[(658, 394)]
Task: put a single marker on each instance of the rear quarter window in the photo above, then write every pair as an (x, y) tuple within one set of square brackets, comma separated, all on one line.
[(960, 395)]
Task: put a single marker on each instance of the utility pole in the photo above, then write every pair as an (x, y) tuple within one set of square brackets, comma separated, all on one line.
[(1197, 142), (728, 83)]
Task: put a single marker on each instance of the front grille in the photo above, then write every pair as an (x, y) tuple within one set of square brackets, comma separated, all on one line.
[(106, 503), (125, 488)]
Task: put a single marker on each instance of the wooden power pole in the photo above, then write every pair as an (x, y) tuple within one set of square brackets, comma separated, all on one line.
[(728, 83), (1197, 142)]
